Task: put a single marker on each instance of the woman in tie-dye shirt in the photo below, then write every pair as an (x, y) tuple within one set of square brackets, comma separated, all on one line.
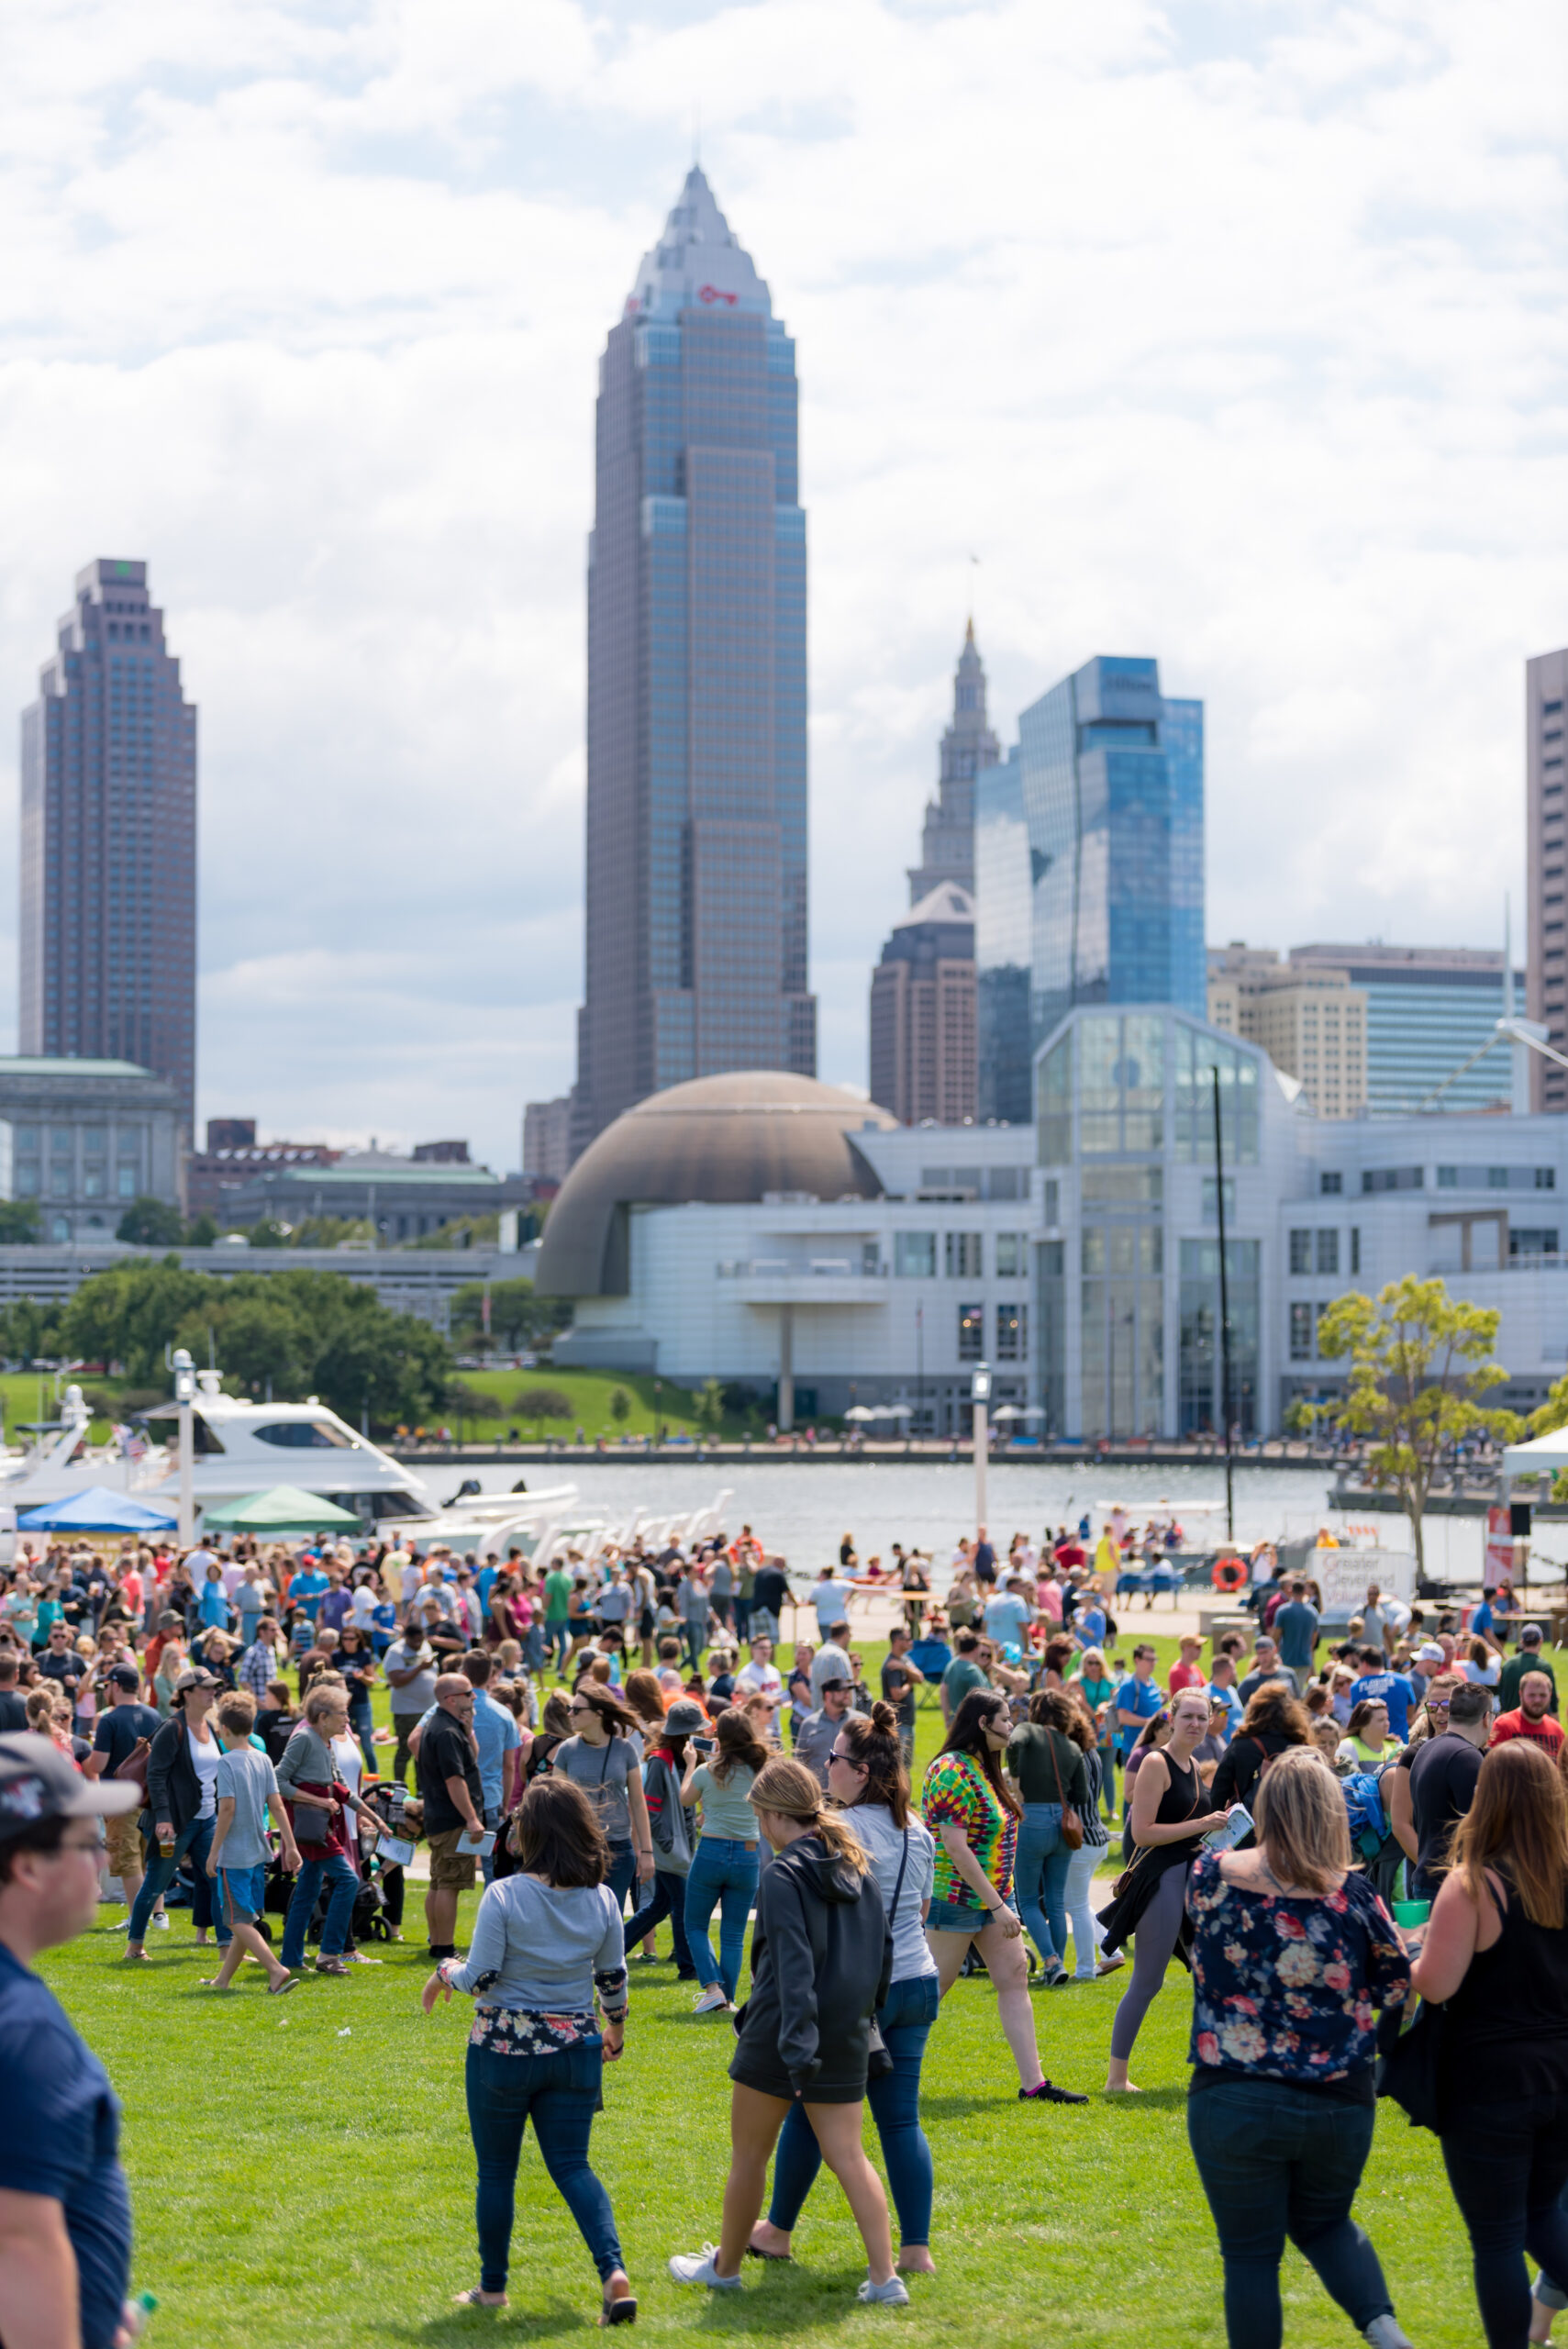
[(974, 1819)]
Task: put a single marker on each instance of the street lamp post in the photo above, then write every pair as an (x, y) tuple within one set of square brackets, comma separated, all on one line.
[(980, 1396), (184, 1395)]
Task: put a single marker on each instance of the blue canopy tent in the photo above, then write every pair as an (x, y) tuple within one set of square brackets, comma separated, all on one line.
[(96, 1510)]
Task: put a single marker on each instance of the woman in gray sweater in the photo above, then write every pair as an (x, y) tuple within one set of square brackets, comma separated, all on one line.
[(544, 1941)]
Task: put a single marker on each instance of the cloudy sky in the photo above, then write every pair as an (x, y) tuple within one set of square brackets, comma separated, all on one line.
[(1227, 331)]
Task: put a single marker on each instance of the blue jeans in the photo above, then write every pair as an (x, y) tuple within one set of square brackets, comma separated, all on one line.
[(560, 2093), (329, 1867), (194, 1839), (1277, 2161), (1039, 1872), (622, 1875), (557, 1640), (665, 1897), (723, 1876), (905, 2021), (533, 1647), (362, 1725)]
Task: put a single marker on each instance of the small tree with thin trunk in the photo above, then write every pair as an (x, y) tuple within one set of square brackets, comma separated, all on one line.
[(1421, 1361)]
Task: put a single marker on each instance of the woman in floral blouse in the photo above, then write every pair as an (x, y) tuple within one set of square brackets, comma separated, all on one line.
[(544, 1941), (1292, 1955)]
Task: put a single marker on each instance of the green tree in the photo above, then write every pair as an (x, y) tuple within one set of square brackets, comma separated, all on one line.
[(29, 1330), (270, 1234), (1420, 1362), (517, 1314), (151, 1223), (1300, 1416), (620, 1405), (21, 1222), (543, 1403), (710, 1407), (201, 1232)]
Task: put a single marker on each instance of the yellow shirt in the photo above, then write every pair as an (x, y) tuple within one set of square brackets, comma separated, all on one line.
[(1107, 1558)]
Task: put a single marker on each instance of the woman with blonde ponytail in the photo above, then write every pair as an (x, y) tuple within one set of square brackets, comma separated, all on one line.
[(822, 1963)]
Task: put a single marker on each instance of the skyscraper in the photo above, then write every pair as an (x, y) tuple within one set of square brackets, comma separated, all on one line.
[(922, 1013), (697, 815), (1546, 689), (947, 842), (1088, 867), (109, 863)]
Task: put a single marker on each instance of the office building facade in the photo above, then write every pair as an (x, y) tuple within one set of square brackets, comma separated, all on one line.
[(82, 1138), (1429, 1010), (696, 801), (1310, 1021), (1089, 872), (546, 1139), (922, 1014), (1546, 690), (946, 836), (108, 842)]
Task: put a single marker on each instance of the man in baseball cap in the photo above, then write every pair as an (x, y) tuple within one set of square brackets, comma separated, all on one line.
[(64, 2207)]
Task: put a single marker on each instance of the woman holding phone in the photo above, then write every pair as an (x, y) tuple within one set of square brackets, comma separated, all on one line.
[(1169, 1811)]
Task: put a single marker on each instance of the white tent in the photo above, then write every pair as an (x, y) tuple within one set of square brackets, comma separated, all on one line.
[(1542, 1456)]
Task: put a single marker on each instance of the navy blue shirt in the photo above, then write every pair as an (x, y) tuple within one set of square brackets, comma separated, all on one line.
[(61, 2140)]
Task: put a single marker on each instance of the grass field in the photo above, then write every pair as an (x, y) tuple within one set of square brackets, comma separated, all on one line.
[(303, 2179)]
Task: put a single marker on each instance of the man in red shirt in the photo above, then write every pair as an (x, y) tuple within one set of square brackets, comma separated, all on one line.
[(1187, 1672), (1533, 1719)]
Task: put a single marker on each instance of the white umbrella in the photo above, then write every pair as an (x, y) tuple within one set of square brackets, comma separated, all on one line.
[(861, 1411), (1009, 1411), (896, 1411)]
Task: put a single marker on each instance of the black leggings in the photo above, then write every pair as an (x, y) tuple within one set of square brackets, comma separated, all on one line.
[(1507, 2189)]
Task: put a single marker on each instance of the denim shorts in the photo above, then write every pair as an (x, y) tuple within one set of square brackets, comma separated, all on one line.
[(244, 1893), (958, 1917)]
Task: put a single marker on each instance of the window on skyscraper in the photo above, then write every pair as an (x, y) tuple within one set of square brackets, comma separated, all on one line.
[(971, 1332)]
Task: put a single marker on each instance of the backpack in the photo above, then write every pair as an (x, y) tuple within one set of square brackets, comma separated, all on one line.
[(1368, 1819)]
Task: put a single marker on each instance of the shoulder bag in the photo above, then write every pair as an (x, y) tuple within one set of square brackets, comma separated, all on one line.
[(134, 1767), (1072, 1825)]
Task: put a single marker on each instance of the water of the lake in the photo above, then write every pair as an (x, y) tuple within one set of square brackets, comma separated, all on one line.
[(804, 1508)]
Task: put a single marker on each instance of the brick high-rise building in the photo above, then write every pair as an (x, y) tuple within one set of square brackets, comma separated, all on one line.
[(696, 814), (922, 1013), (108, 863), (1546, 689)]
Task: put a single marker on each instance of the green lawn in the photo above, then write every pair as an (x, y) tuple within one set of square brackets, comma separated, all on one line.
[(303, 2179)]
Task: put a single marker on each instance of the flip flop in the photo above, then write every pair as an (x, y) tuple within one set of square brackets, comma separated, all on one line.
[(783, 2258), (618, 2312), (281, 1989)]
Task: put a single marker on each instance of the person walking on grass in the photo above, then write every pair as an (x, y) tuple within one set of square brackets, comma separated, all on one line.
[(1292, 1952), (547, 1943), (724, 1869), (320, 1801), (867, 1777), (247, 1789), (974, 1816), (181, 1775), (821, 1962), (65, 2235), (1168, 1812)]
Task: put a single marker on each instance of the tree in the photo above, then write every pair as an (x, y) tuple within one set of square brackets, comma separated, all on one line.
[(620, 1405), (1420, 1361), (710, 1407), (543, 1403), (201, 1232), (270, 1234), (21, 1222), (517, 1314), (1300, 1416), (151, 1223)]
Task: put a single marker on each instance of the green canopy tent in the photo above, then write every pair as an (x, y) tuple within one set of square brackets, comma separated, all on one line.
[(284, 1510)]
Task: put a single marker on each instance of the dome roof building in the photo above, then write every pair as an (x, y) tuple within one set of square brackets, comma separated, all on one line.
[(737, 1140)]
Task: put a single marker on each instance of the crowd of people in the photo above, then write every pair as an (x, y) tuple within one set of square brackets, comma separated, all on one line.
[(624, 1742)]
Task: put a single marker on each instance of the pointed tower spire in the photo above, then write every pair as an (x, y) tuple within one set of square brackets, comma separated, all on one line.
[(947, 842)]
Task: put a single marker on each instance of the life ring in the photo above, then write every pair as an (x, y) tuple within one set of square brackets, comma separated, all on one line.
[(1228, 1574)]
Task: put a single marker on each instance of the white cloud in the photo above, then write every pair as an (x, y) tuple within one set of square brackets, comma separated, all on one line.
[(1232, 333)]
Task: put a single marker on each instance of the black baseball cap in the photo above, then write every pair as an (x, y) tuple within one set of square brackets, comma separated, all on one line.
[(37, 1782), (125, 1675)]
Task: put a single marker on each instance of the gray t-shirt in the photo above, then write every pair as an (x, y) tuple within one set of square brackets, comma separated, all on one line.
[(725, 1810), (416, 1694), (249, 1778), (602, 1772), (888, 1849)]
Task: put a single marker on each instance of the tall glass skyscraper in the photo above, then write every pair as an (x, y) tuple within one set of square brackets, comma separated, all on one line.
[(1088, 867), (108, 865), (697, 817)]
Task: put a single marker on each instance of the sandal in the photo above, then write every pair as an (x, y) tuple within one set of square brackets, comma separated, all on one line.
[(622, 2312), (281, 1989)]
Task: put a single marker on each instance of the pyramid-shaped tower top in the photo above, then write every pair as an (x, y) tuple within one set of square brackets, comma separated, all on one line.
[(698, 263)]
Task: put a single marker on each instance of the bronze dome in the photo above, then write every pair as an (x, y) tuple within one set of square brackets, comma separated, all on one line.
[(727, 1140)]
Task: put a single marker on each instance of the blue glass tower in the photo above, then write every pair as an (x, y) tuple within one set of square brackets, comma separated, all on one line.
[(1088, 867), (696, 807)]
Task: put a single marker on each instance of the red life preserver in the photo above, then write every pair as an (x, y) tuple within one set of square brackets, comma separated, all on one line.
[(1228, 1574)]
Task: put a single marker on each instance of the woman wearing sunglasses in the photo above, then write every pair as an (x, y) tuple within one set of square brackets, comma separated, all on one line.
[(974, 1819), (866, 1775)]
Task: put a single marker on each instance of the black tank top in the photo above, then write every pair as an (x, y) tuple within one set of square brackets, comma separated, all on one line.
[(1505, 2028), (1180, 1799)]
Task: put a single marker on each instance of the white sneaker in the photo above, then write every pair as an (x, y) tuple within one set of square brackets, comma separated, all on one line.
[(712, 2001), (893, 2294), (697, 2267), (160, 1921)]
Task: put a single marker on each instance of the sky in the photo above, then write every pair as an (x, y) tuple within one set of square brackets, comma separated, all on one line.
[(1229, 332)]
